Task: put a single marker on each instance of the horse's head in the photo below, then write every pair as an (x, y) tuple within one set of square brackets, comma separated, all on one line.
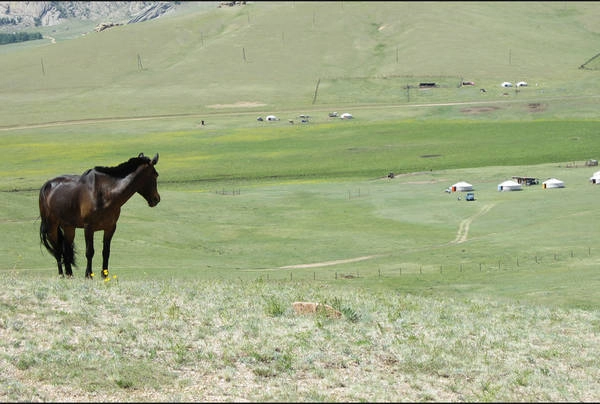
[(148, 188)]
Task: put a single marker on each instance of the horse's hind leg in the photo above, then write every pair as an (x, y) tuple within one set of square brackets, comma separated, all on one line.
[(56, 240), (69, 250), (89, 251)]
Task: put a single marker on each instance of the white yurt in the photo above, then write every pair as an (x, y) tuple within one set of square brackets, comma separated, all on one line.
[(595, 179), (346, 115), (553, 183), (509, 185), (461, 186)]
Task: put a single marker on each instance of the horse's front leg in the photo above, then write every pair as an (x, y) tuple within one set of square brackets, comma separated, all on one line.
[(108, 235), (89, 250)]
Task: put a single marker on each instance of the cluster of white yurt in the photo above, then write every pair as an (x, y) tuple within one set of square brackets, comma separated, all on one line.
[(553, 183), (595, 179), (509, 185)]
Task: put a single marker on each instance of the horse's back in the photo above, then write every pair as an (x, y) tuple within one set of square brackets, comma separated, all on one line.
[(59, 197), (66, 183)]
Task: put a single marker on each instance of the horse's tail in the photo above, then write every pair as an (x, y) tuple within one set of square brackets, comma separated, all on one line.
[(45, 225)]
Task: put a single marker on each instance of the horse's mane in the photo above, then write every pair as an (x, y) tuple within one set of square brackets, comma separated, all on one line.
[(124, 169)]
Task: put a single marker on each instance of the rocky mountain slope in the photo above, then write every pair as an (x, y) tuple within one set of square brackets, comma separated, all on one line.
[(23, 15)]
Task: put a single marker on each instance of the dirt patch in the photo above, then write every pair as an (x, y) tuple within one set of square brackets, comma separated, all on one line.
[(239, 104), (536, 107), (479, 110)]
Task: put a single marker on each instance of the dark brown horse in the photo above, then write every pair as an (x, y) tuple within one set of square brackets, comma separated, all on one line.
[(92, 201)]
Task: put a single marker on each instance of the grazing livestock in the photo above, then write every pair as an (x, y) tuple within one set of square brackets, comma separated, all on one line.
[(92, 201)]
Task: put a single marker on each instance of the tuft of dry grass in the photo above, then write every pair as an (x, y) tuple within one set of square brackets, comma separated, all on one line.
[(134, 340)]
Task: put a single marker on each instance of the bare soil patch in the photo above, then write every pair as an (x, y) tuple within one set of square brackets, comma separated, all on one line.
[(242, 104), (536, 107), (479, 110)]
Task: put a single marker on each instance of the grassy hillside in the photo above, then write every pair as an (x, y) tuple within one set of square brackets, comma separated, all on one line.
[(272, 54)]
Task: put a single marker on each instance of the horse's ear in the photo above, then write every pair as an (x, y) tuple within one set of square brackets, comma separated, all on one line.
[(140, 155), (155, 159)]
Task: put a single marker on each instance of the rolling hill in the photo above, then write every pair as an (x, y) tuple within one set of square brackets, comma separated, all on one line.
[(281, 55)]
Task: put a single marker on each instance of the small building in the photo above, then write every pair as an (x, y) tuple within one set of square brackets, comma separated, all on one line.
[(272, 118), (595, 178), (346, 115), (507, 84), (509, 185), (461, 186), (526, 180), (522, 84), (553, 183)]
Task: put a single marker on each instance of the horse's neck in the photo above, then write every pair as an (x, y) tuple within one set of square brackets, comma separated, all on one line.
[(124, 188)]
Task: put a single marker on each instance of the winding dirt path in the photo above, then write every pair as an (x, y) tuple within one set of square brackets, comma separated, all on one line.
[(463, 228), (328, 263)]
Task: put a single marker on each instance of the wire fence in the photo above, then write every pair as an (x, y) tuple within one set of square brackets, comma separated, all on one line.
[(525, 262)]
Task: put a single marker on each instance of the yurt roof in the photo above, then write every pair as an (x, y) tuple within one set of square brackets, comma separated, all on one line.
[(553, 181), (462, 184), (510, 183)]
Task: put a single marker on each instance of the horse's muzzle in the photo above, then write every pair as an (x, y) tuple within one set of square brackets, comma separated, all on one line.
[(154, 201)]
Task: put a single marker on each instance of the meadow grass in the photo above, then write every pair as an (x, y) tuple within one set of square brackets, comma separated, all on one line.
[(202, 340)]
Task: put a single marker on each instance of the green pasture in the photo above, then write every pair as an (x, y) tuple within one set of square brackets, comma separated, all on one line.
[(313, 202)]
